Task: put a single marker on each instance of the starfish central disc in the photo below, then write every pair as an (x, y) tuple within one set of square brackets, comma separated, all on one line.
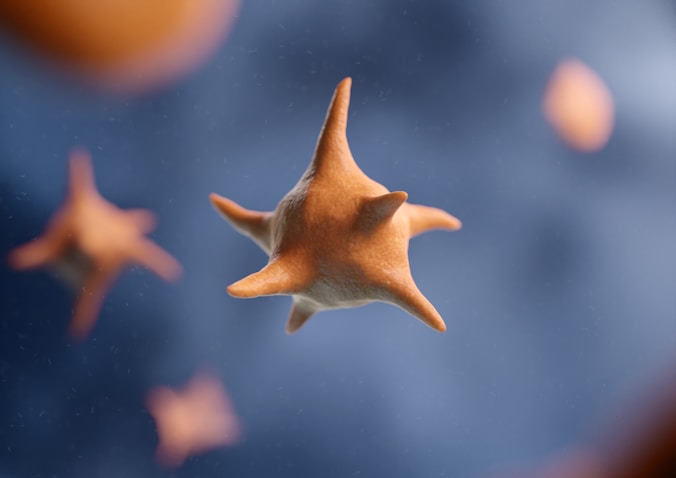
[(337, 239)]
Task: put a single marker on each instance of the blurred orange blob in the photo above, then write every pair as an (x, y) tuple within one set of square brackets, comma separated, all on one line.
[(193, 420), (579, 106), (125, 45)]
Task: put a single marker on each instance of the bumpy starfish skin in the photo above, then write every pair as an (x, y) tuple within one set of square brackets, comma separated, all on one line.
[(91, 240), (338, 238)]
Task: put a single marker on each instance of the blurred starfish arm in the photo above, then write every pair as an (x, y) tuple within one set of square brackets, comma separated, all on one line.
[(89, 301), (143, 219), (153, 257), (36, 253), (81, 175)]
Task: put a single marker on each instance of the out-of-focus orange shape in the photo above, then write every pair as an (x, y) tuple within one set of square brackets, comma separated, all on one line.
[(639, 442), (192, 421), (89, 241), (579, 106), (122, 44)]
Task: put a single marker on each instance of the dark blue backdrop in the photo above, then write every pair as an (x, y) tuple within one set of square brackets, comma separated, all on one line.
[(558, 292)]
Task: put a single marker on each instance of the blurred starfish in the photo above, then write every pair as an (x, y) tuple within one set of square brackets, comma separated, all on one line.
[(89, 240), (338, 238), (192, 421)]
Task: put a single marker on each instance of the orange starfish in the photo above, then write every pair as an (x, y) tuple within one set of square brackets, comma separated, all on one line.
[(338, 238), (192, 421), (89, 240)]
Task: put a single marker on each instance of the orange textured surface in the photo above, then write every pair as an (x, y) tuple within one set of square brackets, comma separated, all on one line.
[(579, 106), (338, 238), (94, 239)]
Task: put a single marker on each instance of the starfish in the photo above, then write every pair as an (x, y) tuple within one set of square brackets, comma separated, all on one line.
[(89, 240), (338, 238), (193, 420)]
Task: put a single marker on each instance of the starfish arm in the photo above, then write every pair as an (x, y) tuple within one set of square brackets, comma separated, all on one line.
[(276, 278), (171, 453), (300, 313), (143, 219), (81, 174), (332, 152), (162, 403), (36, 253), (335, 123), (376, 210), (254, 224), (150, 255), (88, 303), (425, 218), (405, 294)]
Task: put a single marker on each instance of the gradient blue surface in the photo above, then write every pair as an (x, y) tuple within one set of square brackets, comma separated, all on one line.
[(558, 292)]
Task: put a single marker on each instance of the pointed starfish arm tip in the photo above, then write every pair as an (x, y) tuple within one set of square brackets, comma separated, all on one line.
[(300, 314), (405, 294), (241, 290), (376, 210), (246, 220), (272, 279), (345, 82), (387, 204), (335, 123), (425, 218)]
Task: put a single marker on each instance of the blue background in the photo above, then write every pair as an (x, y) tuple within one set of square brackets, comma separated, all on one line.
[(558, 292)]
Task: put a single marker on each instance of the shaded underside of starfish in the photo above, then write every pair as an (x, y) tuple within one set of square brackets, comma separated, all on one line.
[(89, 241), (337, 239)]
